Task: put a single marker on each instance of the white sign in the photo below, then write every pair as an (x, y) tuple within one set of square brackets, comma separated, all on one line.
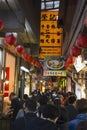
[(79, 65), (54, 73)]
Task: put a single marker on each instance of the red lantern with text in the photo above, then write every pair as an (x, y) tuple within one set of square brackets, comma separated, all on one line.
[(81, 41), (10, 39), (19, 49), (1, 24), (75, 51)]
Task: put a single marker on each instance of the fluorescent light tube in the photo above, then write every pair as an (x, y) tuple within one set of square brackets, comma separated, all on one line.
[(24, 69)]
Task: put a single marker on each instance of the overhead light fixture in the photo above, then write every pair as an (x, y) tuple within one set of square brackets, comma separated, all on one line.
[(24, 69)]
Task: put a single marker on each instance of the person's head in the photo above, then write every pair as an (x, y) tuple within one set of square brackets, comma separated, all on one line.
[(57, 101), (42, 100), (30, 105), (12, 95), (51, 112), (81, 105), (25, 96), (72, 99)]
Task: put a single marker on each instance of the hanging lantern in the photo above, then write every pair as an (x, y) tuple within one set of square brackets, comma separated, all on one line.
[(70, 60), (1, 24), (81, 41), (10, 39), (33, 61), (75, 51), (30, 59), (25, 56), (66, 65), (19, 49), (38, 64)]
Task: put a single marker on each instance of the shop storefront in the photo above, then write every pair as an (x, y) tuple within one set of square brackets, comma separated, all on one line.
[(12, 76), (77, 75)]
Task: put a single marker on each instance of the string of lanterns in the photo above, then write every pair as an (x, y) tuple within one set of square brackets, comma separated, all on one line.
[(81, 43), (78, 48), (19, 49)]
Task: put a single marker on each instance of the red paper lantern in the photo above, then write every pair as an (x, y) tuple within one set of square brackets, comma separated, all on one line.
[(19, 49), (38, 64), (10, 40), (70, 60), (1, 24), (25, 56), (30, 59), (81, 41), (66, 65), (33, 61), (75, 51)]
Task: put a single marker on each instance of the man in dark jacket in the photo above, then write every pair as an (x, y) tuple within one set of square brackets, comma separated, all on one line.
[(71, 109), (80, 122), (15, 105), (81, 106), (31, 122)]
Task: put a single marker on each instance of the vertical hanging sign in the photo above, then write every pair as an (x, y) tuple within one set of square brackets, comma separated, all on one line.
[(50, 35)]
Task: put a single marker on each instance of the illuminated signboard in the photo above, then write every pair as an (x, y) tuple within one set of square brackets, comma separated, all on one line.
[(53, 66), (50, 40), (50, 35), (50, 51)]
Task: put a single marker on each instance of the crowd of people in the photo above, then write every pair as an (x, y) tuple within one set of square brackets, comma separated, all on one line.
[(50, 110)]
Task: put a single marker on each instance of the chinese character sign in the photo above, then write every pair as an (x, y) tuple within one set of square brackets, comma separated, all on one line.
[(50, 35)]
